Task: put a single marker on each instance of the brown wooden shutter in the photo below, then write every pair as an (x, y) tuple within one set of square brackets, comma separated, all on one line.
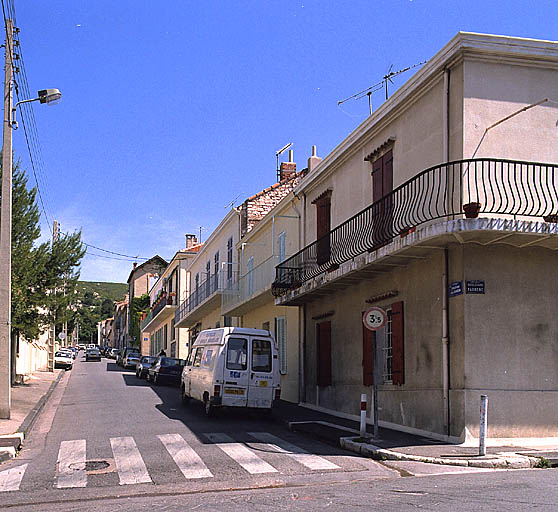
[(377, 180), (397, 344), (367, 356), (323, 228), (323, 338), (387, 178)]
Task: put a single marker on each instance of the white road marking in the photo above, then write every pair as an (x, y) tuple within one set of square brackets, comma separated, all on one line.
[(314, 462), (130, 465), (10, 479), (241, 454), (187, 460), (71, 464)]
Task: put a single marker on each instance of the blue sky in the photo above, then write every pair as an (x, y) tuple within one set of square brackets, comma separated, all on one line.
[(171, 110)]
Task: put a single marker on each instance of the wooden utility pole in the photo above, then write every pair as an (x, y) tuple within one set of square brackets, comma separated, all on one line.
[(52, 330), (6, 234)]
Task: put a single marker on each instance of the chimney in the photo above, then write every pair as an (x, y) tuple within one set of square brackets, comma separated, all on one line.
[(135, 264), (287, 169), (191, 240), (314, 160)]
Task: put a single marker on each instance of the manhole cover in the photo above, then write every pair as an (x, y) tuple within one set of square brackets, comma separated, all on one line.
[(90, 465)]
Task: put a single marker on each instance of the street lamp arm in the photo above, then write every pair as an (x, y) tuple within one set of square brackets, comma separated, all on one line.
[(44, 96)]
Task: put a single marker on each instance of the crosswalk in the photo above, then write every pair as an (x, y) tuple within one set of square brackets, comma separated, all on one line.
[(72, 465)]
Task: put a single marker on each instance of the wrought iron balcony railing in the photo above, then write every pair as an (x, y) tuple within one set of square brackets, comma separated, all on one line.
[(213, 284), (167, 300), (450, 190)]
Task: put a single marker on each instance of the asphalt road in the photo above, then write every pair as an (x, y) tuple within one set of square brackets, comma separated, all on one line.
[(108, 441)]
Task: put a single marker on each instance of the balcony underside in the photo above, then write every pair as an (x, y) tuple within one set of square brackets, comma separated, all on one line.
[(160, 319), (420, 245), (191, 318), (256, 300)]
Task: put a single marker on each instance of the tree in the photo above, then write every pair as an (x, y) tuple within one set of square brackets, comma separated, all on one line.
[(44, 276), (138, 306)]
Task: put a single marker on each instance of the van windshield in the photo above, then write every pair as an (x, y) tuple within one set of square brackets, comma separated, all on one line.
[(261, 356), (237, 354)]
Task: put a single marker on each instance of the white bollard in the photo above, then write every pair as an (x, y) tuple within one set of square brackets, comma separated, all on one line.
[(483, 423), (363, 415)]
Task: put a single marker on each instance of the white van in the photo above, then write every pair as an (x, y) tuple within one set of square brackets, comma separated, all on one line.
[(232, 367)]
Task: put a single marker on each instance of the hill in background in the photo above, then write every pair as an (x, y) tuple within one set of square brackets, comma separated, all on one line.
[(100, 290)]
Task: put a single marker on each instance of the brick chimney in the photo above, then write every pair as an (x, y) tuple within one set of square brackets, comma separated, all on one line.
[(287, 169), (314, 160), (191, 240)]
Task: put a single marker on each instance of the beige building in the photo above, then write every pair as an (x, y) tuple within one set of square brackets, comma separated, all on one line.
[(158, 331), (435, 210)]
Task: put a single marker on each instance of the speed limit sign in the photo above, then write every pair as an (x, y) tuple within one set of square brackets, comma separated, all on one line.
[(374, 318)]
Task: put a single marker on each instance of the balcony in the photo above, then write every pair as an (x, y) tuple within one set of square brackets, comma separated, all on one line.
[(163, 308), (509, 195), (203, 299), (250, 291)]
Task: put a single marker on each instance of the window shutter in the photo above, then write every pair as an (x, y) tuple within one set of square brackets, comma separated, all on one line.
[(323, 337), (281, 336), (323, 228), (377, 180), (281, 247), (397, 344), (367, 356)]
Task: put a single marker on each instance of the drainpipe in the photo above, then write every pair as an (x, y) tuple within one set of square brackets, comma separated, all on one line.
[(445, 344)]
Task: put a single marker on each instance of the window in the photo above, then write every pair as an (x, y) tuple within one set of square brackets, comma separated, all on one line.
[(196, 293), (281, 247), (323, 228), (261, 355), (323, 339), (207, 358), (227, 321), (229, 260), (173, 330), (173, 349), (198, 357), (393, 371), (265, 326), (237, 354), (216, 271), (250, 276), (382, 185), (165, 335), (207, 279), (281, 337)]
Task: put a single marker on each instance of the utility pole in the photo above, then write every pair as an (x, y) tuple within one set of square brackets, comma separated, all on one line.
[(6, 234), (52, 330)]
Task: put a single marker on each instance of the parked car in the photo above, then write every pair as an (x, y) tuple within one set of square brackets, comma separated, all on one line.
[(68, 351), (131, 359), (63, 360), (165, 369), (143, 366), (81, 346), (92, 354), (233, 367), (113, 352), (123, 353)]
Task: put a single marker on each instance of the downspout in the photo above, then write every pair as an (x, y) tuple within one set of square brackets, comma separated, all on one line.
[(445, 315)]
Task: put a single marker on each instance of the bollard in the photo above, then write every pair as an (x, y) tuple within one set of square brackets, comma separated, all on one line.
[(363, 415), (483, 423)]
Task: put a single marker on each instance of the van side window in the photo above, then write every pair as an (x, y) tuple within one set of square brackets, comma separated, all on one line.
[(207, 358), (237, 354), (261, 356), (198, 356)]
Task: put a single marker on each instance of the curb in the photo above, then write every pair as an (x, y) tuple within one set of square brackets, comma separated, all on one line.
[(33, 413), (497, 462)]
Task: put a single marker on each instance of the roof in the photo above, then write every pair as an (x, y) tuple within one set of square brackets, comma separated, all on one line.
[(155, 261)]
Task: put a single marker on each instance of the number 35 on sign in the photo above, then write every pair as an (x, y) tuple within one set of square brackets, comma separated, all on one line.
[(374, 318)]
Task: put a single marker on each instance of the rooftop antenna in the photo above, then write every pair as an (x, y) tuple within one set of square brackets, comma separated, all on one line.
[(380, 85), (277, 153), (231, 204)]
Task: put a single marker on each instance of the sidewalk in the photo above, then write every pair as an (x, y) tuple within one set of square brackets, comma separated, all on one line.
[(396, 445), (27, 401)]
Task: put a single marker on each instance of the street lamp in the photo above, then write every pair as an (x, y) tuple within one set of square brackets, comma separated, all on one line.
[(44, 96)]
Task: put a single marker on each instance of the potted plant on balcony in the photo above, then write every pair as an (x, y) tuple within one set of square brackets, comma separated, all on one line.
[(472, 210), (552, 218)]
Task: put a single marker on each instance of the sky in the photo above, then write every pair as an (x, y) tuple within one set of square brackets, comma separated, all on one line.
[(173, 110)]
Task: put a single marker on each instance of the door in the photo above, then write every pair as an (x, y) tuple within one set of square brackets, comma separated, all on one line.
[(235, 392), (260, 390), (194, 374), (382, 186)]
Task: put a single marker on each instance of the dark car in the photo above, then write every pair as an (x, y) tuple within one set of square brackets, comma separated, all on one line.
[(143, 366), (166, 369)]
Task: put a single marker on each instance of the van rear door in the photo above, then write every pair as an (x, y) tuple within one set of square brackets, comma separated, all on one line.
[(235, 388), (260, 386)]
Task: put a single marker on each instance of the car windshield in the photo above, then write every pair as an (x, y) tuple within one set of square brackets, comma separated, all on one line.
[(148, 359), (61, 354)]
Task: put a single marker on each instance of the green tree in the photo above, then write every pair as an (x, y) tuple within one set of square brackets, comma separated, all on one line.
[(138, 306)]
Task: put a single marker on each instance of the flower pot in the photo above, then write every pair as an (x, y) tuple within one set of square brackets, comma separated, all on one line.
[(471, 210), (553, 218), (406, 231)]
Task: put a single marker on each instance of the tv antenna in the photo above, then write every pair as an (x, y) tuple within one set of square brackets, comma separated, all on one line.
[(380, 85), (278, 152), (231, 204)]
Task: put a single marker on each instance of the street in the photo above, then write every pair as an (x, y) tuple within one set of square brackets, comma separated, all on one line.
[(109, 441)]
